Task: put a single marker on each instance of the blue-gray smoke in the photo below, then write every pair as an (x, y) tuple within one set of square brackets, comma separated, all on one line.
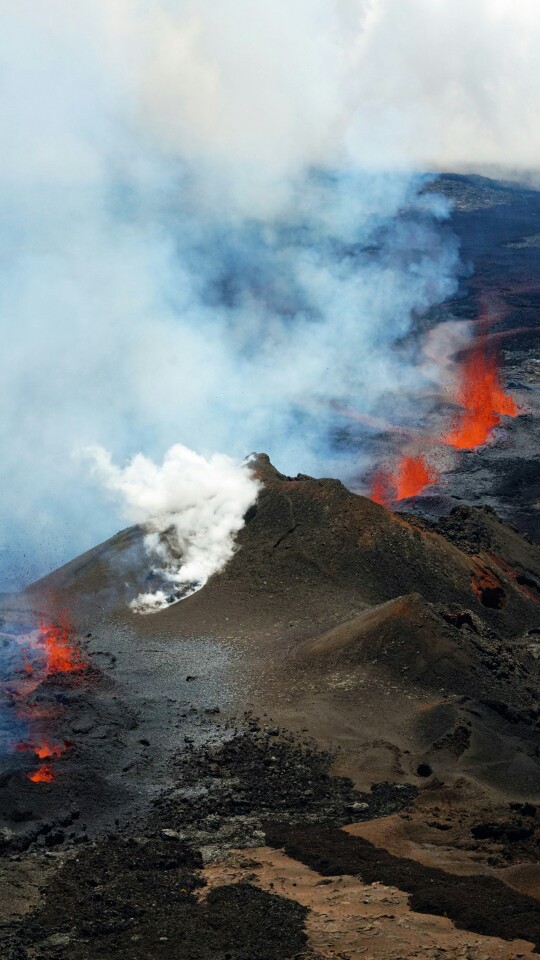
[(192, 250), (146, 322), (13, 726)]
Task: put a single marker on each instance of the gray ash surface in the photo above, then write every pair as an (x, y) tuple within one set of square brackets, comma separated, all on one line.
[(122, 717), (260, 774)]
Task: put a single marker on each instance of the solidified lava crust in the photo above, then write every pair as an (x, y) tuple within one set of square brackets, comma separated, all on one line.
[(135, 899), (480, 904)]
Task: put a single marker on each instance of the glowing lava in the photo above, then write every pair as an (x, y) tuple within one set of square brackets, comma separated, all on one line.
[(483, 399), (46, 750), (52, 750), (409, 478), (413, 475), (62, 655), (44, 774), (380, 489), (480, 393), (50, 651)]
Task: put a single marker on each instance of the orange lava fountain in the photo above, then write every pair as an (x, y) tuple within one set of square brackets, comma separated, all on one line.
[(480, 393), (484, 402), (409, 478), (412, 476), (379, 490), (62, 655)]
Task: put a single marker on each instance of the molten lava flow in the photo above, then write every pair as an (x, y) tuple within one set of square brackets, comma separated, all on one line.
[(483, 399), (62, 655), (44, 774), (53, 651), (54, 751), (379, 490), (412, 475), (45, 750)]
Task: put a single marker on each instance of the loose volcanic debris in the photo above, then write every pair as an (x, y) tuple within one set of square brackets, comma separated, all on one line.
[(133, 899), (132, 896), (480, 904), (93, 720), (258, 775), (352, 920)]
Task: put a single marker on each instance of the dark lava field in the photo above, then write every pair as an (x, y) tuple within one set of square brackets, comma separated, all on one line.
[(332, 750)]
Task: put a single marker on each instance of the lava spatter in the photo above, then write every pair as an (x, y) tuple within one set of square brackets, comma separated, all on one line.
[(409, 478), (46, 751), (380, 489), (63, 656), (53, 652), (44, 774), (412, 476), (480, 393)]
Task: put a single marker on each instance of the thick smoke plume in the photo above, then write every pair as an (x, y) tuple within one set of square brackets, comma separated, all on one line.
[(191, 509), (213, 229)]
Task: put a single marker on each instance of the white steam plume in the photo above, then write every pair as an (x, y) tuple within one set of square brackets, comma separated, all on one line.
[(212, 228), (191, 508)]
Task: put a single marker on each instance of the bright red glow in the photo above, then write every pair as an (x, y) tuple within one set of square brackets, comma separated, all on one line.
[(413, 474), (62, 654), (380, 489), (480, 393), (53, 750), (408, 479), (44, 774), (46, 750), (54, 651)]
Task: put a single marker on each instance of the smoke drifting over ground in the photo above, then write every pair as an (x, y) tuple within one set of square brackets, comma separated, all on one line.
[(213, 230), (191, 509)]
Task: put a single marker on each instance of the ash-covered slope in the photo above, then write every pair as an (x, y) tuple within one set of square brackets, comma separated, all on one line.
[(408, 648), (108, 575), (312, 545), (357, 624), (312, 542), (335, 605), (307, 533)]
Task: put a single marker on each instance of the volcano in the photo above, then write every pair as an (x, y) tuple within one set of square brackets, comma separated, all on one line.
[(405, 650), (331, 749)]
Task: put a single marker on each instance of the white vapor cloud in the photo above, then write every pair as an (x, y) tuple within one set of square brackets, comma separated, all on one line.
[(212, 228), (190, 507), (453, 84)]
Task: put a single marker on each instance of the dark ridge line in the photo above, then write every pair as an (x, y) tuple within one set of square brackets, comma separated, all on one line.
[(284, 537)]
